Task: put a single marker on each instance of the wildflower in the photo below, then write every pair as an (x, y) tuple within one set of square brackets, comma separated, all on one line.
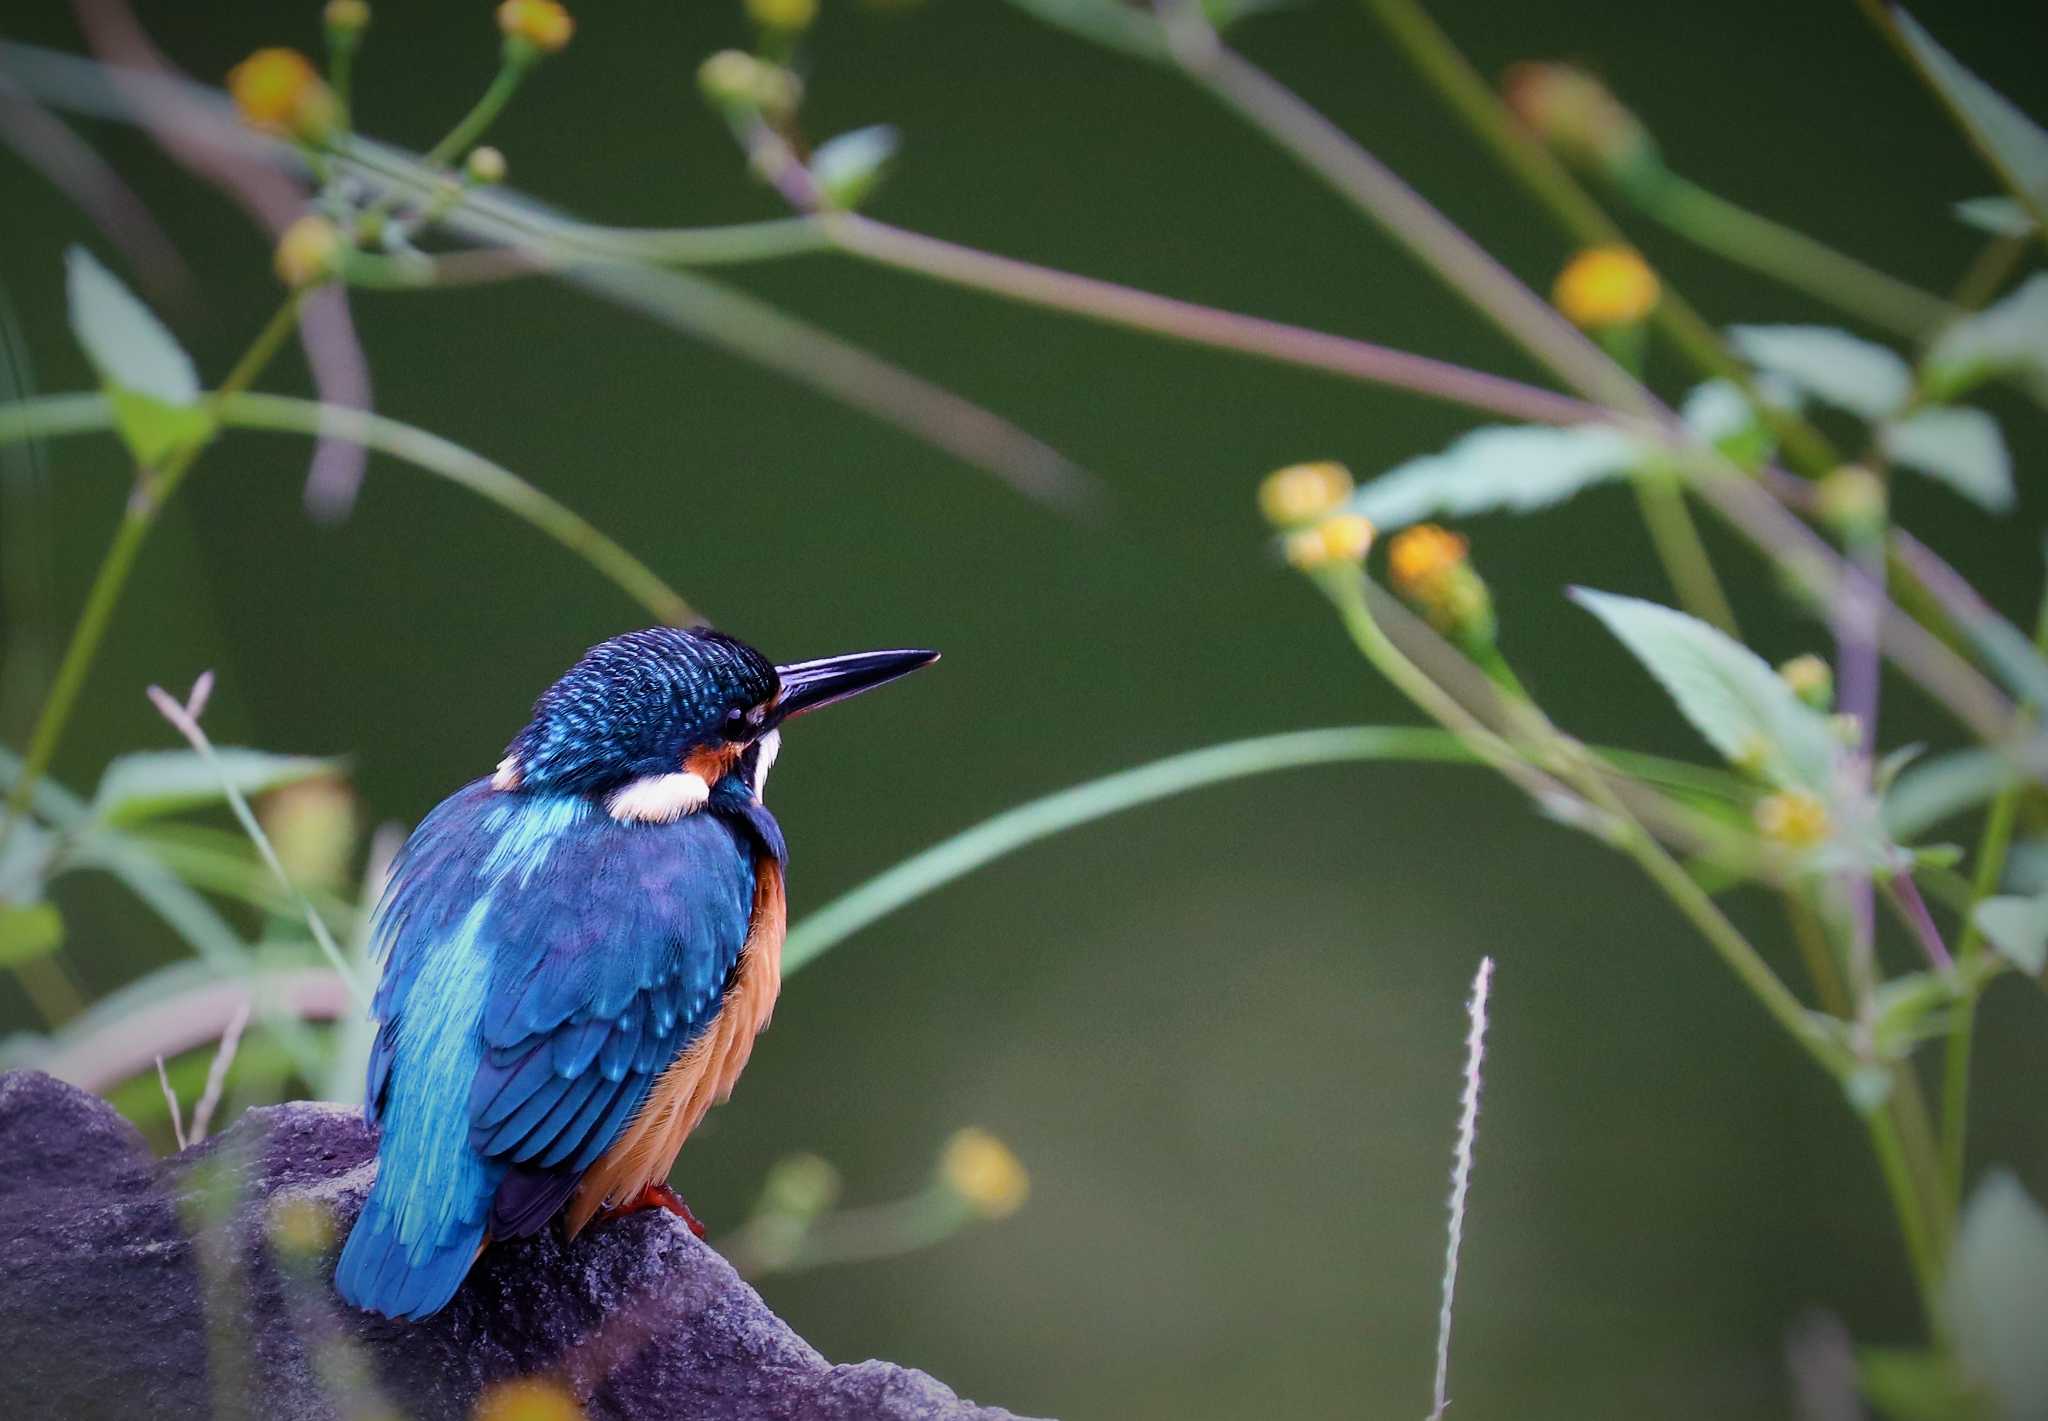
[(1576, 114), (534, 27), (1851, 501), (1792, 819), (1810, 680), (279, 91), (1340, 538), (484, 166), (1302, 493), (733, 78), (527, 1399), (308, 251), (345, 19), (788, 16), (983, 1172), (1430, 571), (1603, 287)]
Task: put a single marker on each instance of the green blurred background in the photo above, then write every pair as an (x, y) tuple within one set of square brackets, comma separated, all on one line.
[(1223, 1033)]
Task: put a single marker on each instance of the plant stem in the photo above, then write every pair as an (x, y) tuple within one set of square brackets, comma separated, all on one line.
[(1369, 185), (1686, 562), (1750, 239), (1818, 954), (1898, 1179), (1114, 304), (105, 594), (467, 130)]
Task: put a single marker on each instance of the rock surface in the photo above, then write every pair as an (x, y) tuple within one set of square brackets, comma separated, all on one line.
[(106, 1255)]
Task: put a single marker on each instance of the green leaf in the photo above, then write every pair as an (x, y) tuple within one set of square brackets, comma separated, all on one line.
[(2008, 337), (1996, 1294), (154, 388), (1728, 692), (154, 782), (849, 167), (2013, 143), (1960, 447), (2018, 928), (1829, 365), (2000, 216), (29, 931), (1512, 467), (1911, 1009), (1942, 786)]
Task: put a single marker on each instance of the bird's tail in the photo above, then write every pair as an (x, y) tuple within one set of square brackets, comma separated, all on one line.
[(380, 1273)]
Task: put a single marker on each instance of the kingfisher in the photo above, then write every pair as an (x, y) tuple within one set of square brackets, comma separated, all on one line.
[(578, 951)]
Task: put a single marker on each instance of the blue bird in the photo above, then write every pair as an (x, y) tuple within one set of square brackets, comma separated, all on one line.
[(577, 954)]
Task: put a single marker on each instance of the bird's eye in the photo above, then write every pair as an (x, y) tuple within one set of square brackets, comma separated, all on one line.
[(742, 723)]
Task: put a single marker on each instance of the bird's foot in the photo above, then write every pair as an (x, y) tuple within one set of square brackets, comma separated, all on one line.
[(659, 1196)]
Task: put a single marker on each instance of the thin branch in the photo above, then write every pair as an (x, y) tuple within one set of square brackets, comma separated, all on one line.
[(1461, 1178), (217, 1073)]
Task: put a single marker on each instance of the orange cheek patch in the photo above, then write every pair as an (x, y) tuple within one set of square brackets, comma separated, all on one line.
[(711, 764)]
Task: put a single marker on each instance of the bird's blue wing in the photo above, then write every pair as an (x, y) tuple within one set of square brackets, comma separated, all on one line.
[(543, 964)]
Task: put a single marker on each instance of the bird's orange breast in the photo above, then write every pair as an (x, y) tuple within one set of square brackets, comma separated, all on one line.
[(703, 1076)]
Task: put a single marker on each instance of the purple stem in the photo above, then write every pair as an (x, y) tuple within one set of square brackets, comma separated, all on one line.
[(1907, 893)]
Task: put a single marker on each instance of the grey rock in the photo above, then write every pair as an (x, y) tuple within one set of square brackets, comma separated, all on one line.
[(200, 1287)]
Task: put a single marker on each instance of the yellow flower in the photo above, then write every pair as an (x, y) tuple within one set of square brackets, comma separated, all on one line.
[(544, 24), (527, 1399), (1302, 493), (1810, 680), (313, 826), (981, 1169), (1342, 537), (1792, 819), (307, 252), (346, 17), (279, 91), (1606, 286), (1851, 500), (785, 15), (1421, 555), (735, 79)]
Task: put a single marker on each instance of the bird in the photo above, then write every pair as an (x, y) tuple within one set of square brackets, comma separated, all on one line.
[(577, 952)]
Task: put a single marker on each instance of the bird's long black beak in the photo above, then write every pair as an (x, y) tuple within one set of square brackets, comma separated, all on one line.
[(807, 685)]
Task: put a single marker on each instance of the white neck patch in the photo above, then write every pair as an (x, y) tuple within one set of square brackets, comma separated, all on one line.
[(658, 799), (765, 751)]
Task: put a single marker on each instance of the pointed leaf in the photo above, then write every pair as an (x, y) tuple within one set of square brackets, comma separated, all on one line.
[(2000, 216), (2015, 145), (847, 168), (155, 782), (1106, 22), (1728, 692), (150, 378), (29, 931), (1511, 467), (1961, 447), (2006, 337), (1941, 786), (2018, 928), (1828, 365), (1996, 1294)]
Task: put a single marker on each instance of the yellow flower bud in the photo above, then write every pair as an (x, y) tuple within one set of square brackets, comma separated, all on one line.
[(313, 826), (1429, 569), (1792, 819), (804, 1186), (1810, 680), (1302, 493), (1847, 727), (981, 1169), (527, 1399), (733, 78), (542, 24), (346, 17), (1851, 501), (1574, 113), (1342, 537), (785, 15), (1422, 555), (1606, 286), (279, 91), (308, 251), (484, 166)]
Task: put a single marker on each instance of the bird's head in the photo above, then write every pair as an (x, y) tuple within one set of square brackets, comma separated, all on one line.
[(654, 721)]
